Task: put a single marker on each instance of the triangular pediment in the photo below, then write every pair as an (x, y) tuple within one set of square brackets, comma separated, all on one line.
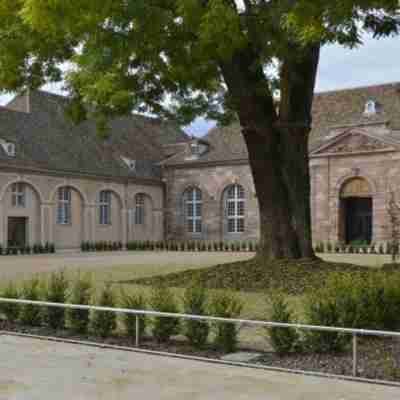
[(354, 141)]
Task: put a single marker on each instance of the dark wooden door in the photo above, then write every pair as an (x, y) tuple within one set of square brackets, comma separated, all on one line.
[(358, 216), (17, 231)]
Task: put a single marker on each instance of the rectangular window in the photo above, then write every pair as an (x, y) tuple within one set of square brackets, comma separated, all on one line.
[(105, 207), (64, 206), (18, 194), (139, 210)]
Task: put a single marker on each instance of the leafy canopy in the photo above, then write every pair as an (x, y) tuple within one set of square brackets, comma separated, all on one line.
[(164, 56)]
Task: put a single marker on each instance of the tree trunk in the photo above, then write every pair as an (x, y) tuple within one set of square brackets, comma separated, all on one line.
[(278, 152)]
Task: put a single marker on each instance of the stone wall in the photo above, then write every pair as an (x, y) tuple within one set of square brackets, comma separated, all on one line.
[(328, 175), (212, 181)]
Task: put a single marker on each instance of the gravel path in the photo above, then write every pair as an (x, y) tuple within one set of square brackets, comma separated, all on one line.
[(40, 370)]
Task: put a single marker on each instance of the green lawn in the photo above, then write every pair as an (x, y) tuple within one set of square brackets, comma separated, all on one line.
[(255, 303)]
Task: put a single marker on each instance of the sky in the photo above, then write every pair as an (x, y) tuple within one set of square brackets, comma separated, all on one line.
[(376, 62)]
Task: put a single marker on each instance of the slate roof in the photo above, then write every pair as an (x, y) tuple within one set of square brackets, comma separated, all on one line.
[(332, 111), (46, 139)]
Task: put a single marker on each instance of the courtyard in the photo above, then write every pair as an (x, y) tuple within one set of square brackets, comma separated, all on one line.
[(47, 370)]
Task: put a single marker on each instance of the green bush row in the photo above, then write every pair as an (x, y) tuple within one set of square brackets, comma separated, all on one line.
[(347, 300), (47, 248), (196, 300), (356, 248), (101, 246), (192, 246)]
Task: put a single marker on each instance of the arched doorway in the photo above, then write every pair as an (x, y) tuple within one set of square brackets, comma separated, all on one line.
[(356, 209)]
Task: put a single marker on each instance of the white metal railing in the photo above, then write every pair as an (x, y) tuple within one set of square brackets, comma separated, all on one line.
[(268, 324)]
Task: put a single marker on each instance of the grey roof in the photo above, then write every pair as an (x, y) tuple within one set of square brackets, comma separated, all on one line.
[(46, 139), (332, 111)]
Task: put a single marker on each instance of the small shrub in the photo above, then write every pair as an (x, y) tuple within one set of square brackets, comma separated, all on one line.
[(105, 322), (226, 305), (31, 315), (195, 303), (381, 249), (323, 312), (283, 340), (182, 246), (11, 311), (251, 247), (209, 247), (233, 247), (221, 246), (81, 294), (56, 292), (226, 246), (216, 246), (134, 301), (163, 300)]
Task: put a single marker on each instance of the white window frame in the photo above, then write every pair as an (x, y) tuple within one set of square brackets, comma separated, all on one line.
[(193, 206), (105, 207), (235, 201), (64, 208), (18, 193), (140, 211)]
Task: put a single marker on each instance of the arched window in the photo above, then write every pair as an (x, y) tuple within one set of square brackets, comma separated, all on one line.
[(193, 204), (234, 209), (140, 214), (105, 207), (64, 206), (18, 194)]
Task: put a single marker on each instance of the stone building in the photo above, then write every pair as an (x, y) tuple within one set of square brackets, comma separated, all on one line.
[(147, 180), (61, 183)]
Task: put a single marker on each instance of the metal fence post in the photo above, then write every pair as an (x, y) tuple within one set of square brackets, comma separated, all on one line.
[(137, 331), (355, 358)]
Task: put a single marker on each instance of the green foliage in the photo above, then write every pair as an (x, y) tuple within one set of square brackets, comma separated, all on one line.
[(163, 300), (105, 322), (81, 294), (135, 301), (56, 292), (362, 301), (195, 303), (226, 305), (11, 311), (31, 315), (283, 340)]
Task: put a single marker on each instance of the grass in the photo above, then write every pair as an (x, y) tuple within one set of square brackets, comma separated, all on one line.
[(249, 280), (292, 277)]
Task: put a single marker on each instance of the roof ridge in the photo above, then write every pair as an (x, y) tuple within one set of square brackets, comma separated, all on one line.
[(357, 88)]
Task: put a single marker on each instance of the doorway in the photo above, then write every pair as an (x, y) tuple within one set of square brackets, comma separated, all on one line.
[(358, 217), (17, 231)]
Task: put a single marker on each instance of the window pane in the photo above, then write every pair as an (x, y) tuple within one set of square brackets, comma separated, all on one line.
[(231, 209), (231, 226), (240, 225), (240, 208), (198, 226), (190, 225)]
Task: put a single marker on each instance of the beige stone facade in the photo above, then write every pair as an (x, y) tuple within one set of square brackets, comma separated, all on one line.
[(150, 181), (41, 205)]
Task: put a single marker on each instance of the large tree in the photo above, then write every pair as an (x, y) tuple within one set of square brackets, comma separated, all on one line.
[(254, 60)]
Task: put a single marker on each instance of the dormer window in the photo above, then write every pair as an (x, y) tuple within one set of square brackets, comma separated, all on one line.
[(131, 164), (195, 149), (370, 107), (9, 148)]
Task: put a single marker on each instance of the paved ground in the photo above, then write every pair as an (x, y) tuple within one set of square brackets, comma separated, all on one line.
[(40, 370), (17, 266)]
